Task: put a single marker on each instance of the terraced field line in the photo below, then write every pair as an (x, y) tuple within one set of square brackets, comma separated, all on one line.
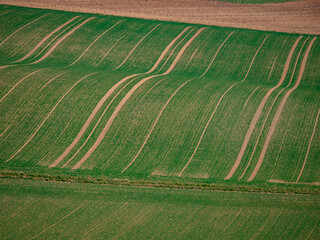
[(127, 96), (95, 41), (225, 229), (19, 83), (22, 28), (61, 39), (113, 214), (97, 123), (107, 95), (275, 221), (278, 113), (72, 212), (136, 46), (215, 109), (192, 57), (154, 124), (214, 57), (305, 159), (315, 226), (245, 104), (45, 39), (48, 115), (175, 49), (5, 13), (258, 113)]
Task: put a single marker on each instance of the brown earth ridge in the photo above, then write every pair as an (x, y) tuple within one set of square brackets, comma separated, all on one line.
[(293, 17)]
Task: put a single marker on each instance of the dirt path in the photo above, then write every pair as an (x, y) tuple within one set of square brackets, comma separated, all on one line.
[(305, 159), (94, 42), (126, 98), (61, 39), (45, 39), (48, 115), (107, 95), (258, 113), (278, 113), (22, 28), (294, 17)]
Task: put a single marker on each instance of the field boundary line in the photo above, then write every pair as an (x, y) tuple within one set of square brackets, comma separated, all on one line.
[(106, 96), (134, 48), (61, 39), (48, 115), (23, 27), (127, 96), (215, 109), (154, 124), (57, 221), (309, 146), (99, 224), (94, 42), (45, 39), (258, 113), (278, 113), (19, 83)]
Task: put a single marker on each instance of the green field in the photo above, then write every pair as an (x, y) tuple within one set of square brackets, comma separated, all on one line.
[(44, 210), (104, 99)]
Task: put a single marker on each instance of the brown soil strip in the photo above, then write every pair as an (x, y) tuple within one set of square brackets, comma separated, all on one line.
[(127, 96), (22, 28), (5, 12), (305, 159), (258, 113), (31, 137), (278, 113), (294, 17), (95, 41), (19, 83), (45, 39), (154, 124), (61, 39), (107, 95), (215, 109)]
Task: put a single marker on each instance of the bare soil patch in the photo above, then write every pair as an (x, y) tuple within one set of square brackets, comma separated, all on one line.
[(293, 17)]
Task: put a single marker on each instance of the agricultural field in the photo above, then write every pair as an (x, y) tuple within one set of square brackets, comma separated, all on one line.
[(44, 210), (94, 98)]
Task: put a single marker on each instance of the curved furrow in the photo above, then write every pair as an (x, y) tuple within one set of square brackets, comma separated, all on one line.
[(107, 95), (61, 40), (48, 115), (125, 99), (278, 113), (45, 39)]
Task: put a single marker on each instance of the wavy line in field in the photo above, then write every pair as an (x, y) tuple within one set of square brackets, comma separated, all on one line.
[(152, 127), (136, 46), (113, 214), (19, 83), (315, 226), (195, 51), (271, 107), (226, 228), (61, 39), (107, 53), (3, 67), (5, 13), (258, 113), (57, 222), (107, 95), (22, 28), (128, 95), (5, 131), (216, 54), (245, 104), (278, 113), (95, 41), (310, 142), (48, 115), (216, 107), (175, 49), (45, 39), (97, 123), (275, 221)]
